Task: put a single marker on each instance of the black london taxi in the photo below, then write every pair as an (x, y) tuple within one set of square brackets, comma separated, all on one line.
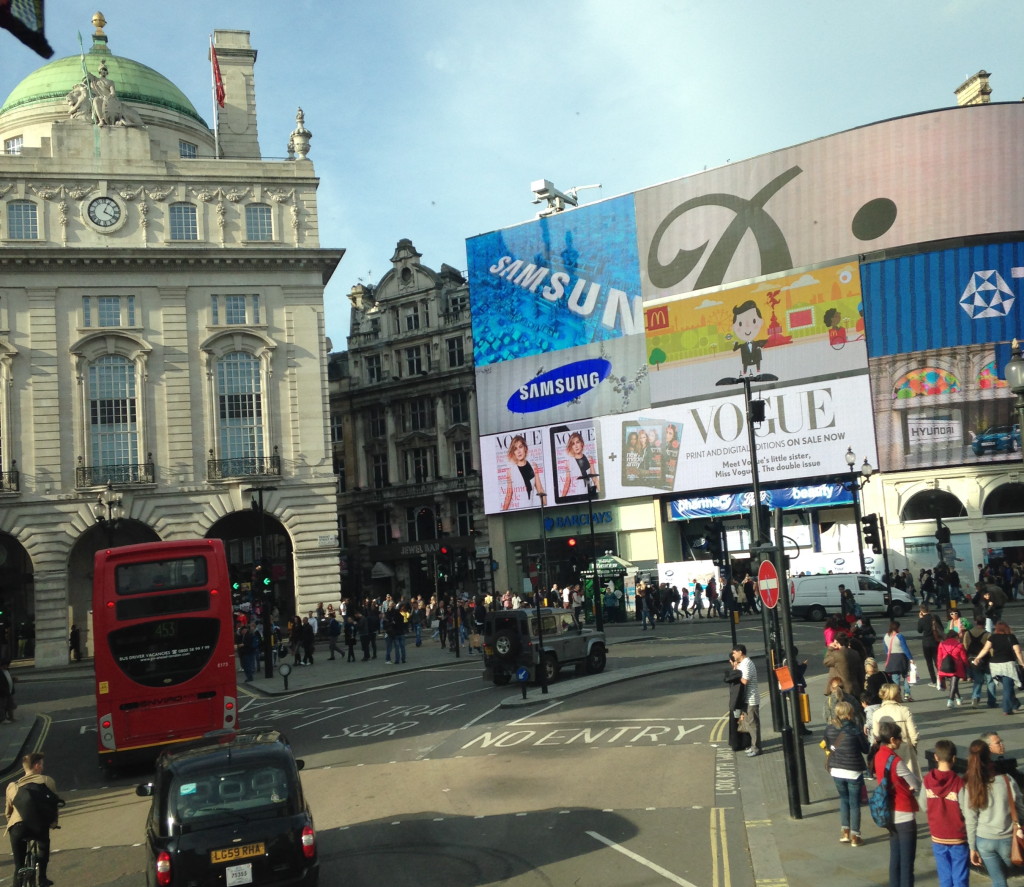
[(229, 810)]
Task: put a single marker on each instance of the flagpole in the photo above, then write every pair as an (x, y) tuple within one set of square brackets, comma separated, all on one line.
[(213, 94)]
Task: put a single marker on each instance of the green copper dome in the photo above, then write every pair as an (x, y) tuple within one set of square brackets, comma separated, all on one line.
[(133, 81)]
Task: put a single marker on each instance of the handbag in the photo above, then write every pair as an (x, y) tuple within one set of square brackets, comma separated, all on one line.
[(1016, 850), (912, 673), (741, 724)]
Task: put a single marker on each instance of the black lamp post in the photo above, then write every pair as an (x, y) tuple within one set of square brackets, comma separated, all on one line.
[(1014, 372), (589, 478), (755, 414), (109, 511), (855, 484)]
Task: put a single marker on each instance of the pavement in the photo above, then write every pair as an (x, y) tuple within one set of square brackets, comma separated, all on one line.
[(785, 850)]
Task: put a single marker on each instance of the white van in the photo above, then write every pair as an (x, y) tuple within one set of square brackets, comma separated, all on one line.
[(815, 596)]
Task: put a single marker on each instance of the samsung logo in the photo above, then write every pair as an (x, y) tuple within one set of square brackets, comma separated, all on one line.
[(559, 385)]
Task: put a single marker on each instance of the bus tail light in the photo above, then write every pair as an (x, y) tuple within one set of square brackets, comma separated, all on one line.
[(229, 712), (106, 727), (163, 869), (308, 842)]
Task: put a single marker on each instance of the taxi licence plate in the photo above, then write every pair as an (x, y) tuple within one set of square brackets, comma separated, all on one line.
[(242, 851)]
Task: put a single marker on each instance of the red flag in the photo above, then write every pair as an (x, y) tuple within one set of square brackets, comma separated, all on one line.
[(218, 82)]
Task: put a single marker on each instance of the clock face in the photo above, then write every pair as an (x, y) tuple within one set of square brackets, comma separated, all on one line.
[(104, 212)]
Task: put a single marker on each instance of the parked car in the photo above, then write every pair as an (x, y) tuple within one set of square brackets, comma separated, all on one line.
[(999, 439), (512, 641), (815, 596), (230, 810)]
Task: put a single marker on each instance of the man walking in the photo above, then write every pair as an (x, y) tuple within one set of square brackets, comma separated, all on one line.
[(748, 677)]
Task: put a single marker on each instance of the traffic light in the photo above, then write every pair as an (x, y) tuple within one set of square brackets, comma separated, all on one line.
[(714, 543), (444, 567), (756, 411), (571, 542), (872, 539)]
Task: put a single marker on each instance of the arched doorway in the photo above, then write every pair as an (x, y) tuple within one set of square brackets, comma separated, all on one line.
[(17, 600), (80, 560), (251, 538)]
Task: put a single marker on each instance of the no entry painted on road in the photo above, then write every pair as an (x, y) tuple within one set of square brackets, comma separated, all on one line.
[(768, 584)]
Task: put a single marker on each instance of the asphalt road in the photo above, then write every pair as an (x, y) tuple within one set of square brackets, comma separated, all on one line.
[(422, 777)]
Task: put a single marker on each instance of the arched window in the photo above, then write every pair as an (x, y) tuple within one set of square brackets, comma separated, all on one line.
[(1005, 499), (113, 417), (932, 505), (240, 413), (22, 220)]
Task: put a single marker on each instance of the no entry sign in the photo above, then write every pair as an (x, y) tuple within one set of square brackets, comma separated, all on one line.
[(768, 584)]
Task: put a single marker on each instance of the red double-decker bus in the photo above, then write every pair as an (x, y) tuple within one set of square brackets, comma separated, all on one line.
[(164, 646)]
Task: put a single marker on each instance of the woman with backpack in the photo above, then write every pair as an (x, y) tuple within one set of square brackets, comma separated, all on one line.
[(904, 785), (847, 745), (989, 806)]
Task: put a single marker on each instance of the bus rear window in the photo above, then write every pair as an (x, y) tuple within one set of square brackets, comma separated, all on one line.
[(143, 578), (164, 653)]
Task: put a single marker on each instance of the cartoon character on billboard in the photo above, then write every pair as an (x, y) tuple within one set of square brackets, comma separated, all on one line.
[(746, 324), (522, 478), (836, 331)]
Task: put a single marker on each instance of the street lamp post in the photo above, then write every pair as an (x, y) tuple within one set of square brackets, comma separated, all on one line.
[(1014, 373), (759, 534), (855, 484), (598, 604), (109, 511)]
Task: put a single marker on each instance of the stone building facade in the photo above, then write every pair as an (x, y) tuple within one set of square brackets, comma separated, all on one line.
[(163, 360), (405, 436)]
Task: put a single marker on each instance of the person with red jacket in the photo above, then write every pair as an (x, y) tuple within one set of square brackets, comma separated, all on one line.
[(951, 663), (905, 785), (944, 790)]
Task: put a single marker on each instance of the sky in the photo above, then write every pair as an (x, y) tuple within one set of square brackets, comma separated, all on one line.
[(431, 118)]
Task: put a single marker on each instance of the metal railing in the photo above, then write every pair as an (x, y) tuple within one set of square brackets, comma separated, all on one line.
[(244, 466), (130, 473)]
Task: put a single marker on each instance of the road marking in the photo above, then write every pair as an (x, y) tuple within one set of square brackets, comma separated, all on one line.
[(720, 874), (361, 692), (636, 857), (451, 683), (524, 718), (480, 717), (334, 714)]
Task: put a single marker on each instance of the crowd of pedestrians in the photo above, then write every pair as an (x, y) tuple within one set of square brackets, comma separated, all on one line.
[(973, 808)]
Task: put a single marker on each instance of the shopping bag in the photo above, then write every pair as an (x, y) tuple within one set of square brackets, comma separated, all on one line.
[(912, 673)]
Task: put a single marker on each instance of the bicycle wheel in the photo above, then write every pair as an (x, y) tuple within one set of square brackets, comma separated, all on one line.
[(28, 874)]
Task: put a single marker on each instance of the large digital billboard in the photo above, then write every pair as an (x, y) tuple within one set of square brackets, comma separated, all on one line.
[(934, 322), (700, 445), (910, 180), (561, 281)]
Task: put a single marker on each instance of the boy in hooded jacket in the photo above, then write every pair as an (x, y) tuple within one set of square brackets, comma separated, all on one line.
[(944, 790)]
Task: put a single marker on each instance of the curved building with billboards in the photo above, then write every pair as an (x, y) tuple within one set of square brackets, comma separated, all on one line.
[(874, 273)]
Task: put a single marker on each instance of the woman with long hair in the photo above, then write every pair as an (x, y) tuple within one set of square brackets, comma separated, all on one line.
[(951, 665), (987, 814), (905, 785), (898, 658), (847, 746), (1004, 655)]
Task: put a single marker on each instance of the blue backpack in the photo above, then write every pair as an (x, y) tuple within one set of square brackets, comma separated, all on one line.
[(881, 801)]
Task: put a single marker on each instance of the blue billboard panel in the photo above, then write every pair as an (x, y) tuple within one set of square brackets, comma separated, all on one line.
[(946, 299), (789, 498), (565, 280)]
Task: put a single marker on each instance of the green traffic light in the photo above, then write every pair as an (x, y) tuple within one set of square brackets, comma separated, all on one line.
[(266, 580)]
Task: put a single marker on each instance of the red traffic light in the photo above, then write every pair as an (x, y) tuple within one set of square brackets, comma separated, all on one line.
[(571, 541), (444, 550)]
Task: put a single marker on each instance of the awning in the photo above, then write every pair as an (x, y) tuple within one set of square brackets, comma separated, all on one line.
[(381, 571)]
